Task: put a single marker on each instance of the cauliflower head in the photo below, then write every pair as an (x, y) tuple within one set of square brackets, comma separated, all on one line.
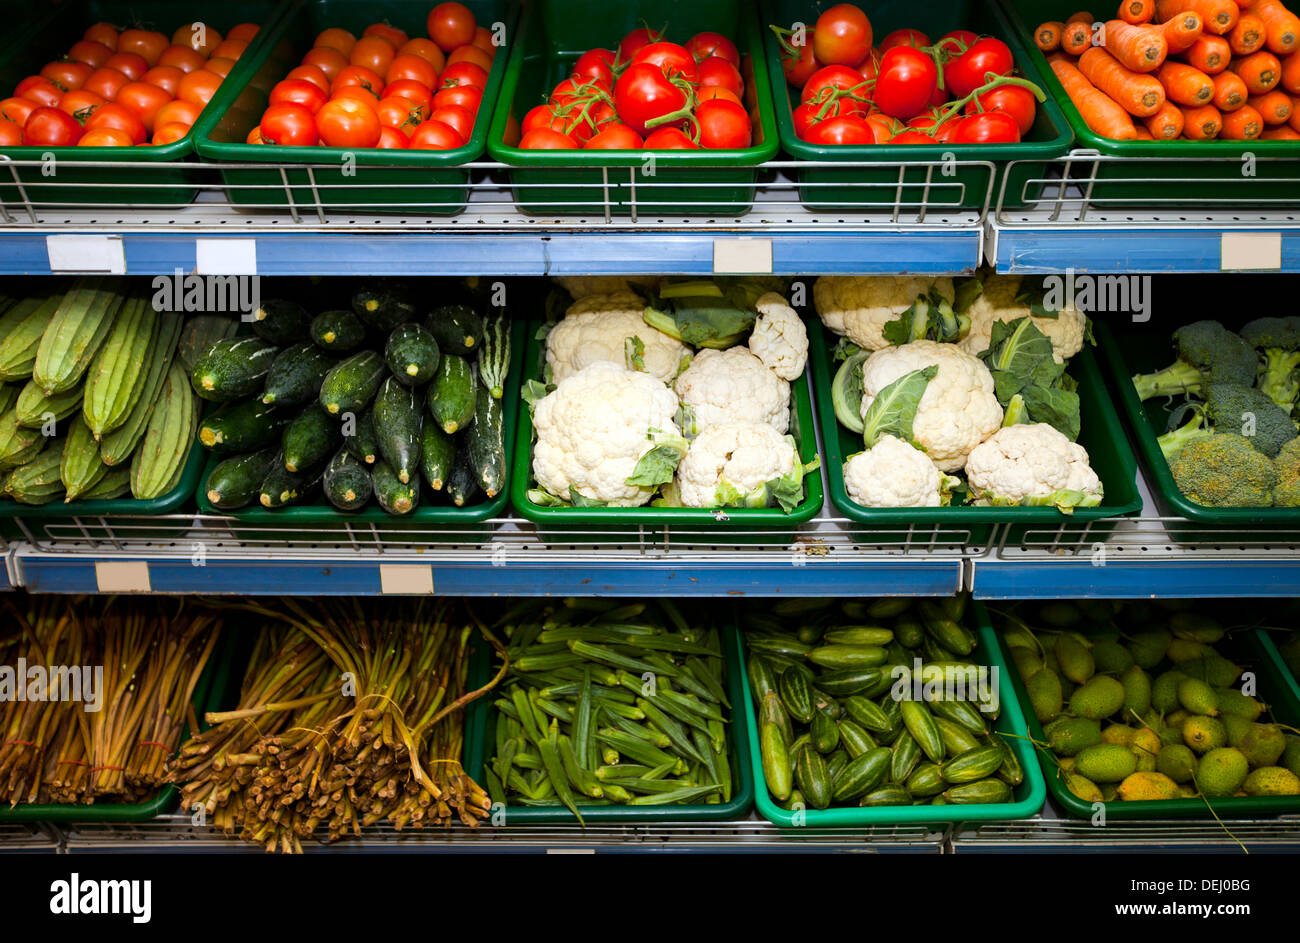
[(1032, 464), (733, 386), (580, 286), (731, 465), (859, 306), (895, 474), (594, 330), (998, 303), (595, 426), (779, 338), (959, 409)]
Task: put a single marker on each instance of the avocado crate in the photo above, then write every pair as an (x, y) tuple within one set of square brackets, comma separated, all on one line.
[(1027, 798), (1100, 432), (1196, 173), (480, 742), (85, 176), (320, 520), (729, 523), (642, 182), (311, 179), (911, 188)]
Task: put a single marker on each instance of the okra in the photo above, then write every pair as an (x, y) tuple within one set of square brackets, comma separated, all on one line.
[(555, 770), (673, 731), (674, 615), (524, 714), (581, 779), (582, 724), (555, 709), (653, 786), (607, 657), (642, 732), (699, 669), (677, 795), (703, 708), (547, 662), (639, 750)]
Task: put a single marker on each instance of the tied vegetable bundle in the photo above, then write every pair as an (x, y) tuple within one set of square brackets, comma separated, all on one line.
[(347, 717), (151, 655), (609, 704)]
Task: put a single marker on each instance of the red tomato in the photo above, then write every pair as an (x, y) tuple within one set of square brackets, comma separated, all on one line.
[(546, 117), (572, 89), (400, 114), (329, 61), (413, 91), (182, 57), (16, 110), (703, 45), (463, 73), (176, 112), (708, 93), (120, 118), (643, 93), (166, 77), (1018, 102), (483, 40), (10, 134), (374, 53), (718, 72), (244, 32), (390, 139), (911, 136), (425, 49), (904, 37), (456, 117), (905, 82), (335, 38), (832, 77), (844, 129), (632, 43), (309, 73), (220, 65), (81, 104), (254, 136), (103, 33), (147, 44), (595, 64), (230, 49), (42, 91), (398, 37), (198, 87), (883, 126), (411, 68), (804, 117), (436, 136), (990, 127), (66, 74), (106, 83), (51, 127), (955, 42), (466, 96), (169, 132), (145, 99), (132, 65), (723, 124), (471, 54), (300, 92), (842, 36), (358, 93), (967, 72), (288, 124), (670, 139), (93, 54), (800, 66), (671, 58), (359, 76), (348, 122), (614, 137), (870, 65), (105, 137), (198, 36), (451, 25)]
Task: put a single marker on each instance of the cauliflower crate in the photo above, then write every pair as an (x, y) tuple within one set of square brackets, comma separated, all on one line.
[(950, 405)]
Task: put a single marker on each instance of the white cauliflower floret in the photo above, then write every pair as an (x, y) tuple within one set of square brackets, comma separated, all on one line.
[(998, 303), (733, 386), (779, 338), (593, 428), (859, 306), (580, 286), (895, 474), (959, 409), (729, 465), (595, 329), (1032, 464)]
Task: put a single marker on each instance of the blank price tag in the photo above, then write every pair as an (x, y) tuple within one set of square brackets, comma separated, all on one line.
[(123, 576), (225, 256), (570, 851), (93, 255), (742, 256), (1257, 251), (406, 579)]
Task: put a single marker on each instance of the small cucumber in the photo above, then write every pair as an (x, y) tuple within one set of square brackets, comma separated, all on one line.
[(861, 775), (339, 332), (451, 395), (281, 322), (777, 770), (865, 712), (237, 481), (920, 724), (925, 781), (383, 305), (825, 732), (980, 792), (241, 427), (462, 483), (855, 739), (412, 354), (852, 681), (437, 454), (232, 369), (457, 328), (956, 738), (296, 375), (399, 421), (351, 385), (309, 439), (974, 764), (906, 756), (812, 777), (359, 436), (347, 482), (486, 442), (888, 794), (847, 656), (394, 496), (796, 695), (281, 487)]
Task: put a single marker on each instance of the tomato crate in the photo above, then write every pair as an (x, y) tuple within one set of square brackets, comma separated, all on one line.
[(309, 179), (929, 188), (642, 183), (85, 176)]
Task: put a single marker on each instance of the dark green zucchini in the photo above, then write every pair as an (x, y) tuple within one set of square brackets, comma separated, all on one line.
[(310, 438), (201, 332), (339, 332), (359, 437), (296, 374), (382, 305), (394, 496), (457, 328), (399, 419), (412, 354), (451, 395), (462, 483), (351, 385), (232, 369), (281, 322), (242, 427), (347, 482), (281, 487), (437, 454), (237, 481), (486, 444)]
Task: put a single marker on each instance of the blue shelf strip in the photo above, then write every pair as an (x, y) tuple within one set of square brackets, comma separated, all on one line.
[(1118, 251), (1185, 579)]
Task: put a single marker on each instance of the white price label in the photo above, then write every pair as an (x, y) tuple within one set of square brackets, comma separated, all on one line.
[(570, 851), (123, 576), (406, 579), (742, 256), (90, 255), (225, 256), (1250, 251)]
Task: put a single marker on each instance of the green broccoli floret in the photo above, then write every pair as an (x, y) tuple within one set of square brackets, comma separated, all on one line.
[(1287, 463), (1172, 442), (1225, 470), (1251, 412), (1278, 343), (1206, 351)]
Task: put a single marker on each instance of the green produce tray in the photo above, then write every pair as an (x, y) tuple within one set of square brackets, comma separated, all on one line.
[(481, 724), (423, 525), (418, 182), (1284, 706), (1100, 433), (1200, 172), (617, 520), (569, 183), (174, 180), (209, 693), (841, 188), (1285, 673), (1027, 798)]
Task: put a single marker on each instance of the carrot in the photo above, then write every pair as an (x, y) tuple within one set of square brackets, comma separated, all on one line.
[(1244, 124), (1274, 107), (1139, 48), (1076, 37), (1083, 16), (1185, 85), (1291, 73), (1202, 124), (1217, 16), (1142, 134), (1247, 36), (1280, 133), (1229, 91), (1166, 124), (1139, 95), (1210, 54), (1048, 35), (1294, 121), (1137, 11), (1099, 112), (1281, 26), (1181, 31), (1261, 71), (1245, 4)]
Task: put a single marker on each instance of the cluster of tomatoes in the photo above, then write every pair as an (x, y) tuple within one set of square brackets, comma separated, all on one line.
[(385, 89), (649, 93), (906, 90), (116, 88)]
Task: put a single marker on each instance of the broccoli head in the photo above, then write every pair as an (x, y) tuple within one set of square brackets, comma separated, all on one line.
[(1287, 463), (1207, 351), (1278, 343), (1251, 412), (1224, 470), (1172, 442)]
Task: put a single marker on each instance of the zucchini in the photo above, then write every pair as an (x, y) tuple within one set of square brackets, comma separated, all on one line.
[(383, 305), (437, 455), (75, 332), (116, 447), (351, 385), (347, 482), (451, 396), (399, 420), (201, 332), (233, 369), (238, 481), (359, 437), (21, 330), (18, 443), (242, 427), (412, 354), (281, 322), (309, 439), (115, 380), (462, 483), (457, 328), (339, 332), (281, 487), (486, 441), (167, 439), (35, 407), (80, 467), (296, 374), (394, 496), (38, 481), (494, 358)]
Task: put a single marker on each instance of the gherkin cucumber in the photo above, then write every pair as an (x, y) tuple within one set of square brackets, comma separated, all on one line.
[(296, 375), (437, 454), (351, 385), (309, 439), (346, 482), (394, 496), (359, 436), (399, 421), (451, 395), (339, 332), (412, 354), (237, 481)]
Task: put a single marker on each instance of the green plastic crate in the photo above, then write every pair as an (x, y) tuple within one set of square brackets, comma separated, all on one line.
[(1288, 677), (577, 182), (1100, 433), (418, 182), (1027, 798), (173, 181), (481, 735), (618, 520), (834, 188), (1200, 172)]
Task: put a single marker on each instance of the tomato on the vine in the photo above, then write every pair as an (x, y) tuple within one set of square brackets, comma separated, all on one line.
[(955, 42), (870, 65), (842, 129), (905, 82), (838, 77), (670, 139), (400, 114), (801, 66), (348, 122), (967, 72), (544, 139), (710, 92), (614, 137), (883, 126), (723, 124), (905, 37), (842, 36), (631, 44), (718, 72), (595, 64), (1013, 99), (989, 127), (930, 123), (644, 93), (671, 58), (911, 136), (288, 124), (51, 127), (703, 45)]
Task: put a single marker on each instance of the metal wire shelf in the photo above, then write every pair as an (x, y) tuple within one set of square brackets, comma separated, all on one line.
[(1151, 538)]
